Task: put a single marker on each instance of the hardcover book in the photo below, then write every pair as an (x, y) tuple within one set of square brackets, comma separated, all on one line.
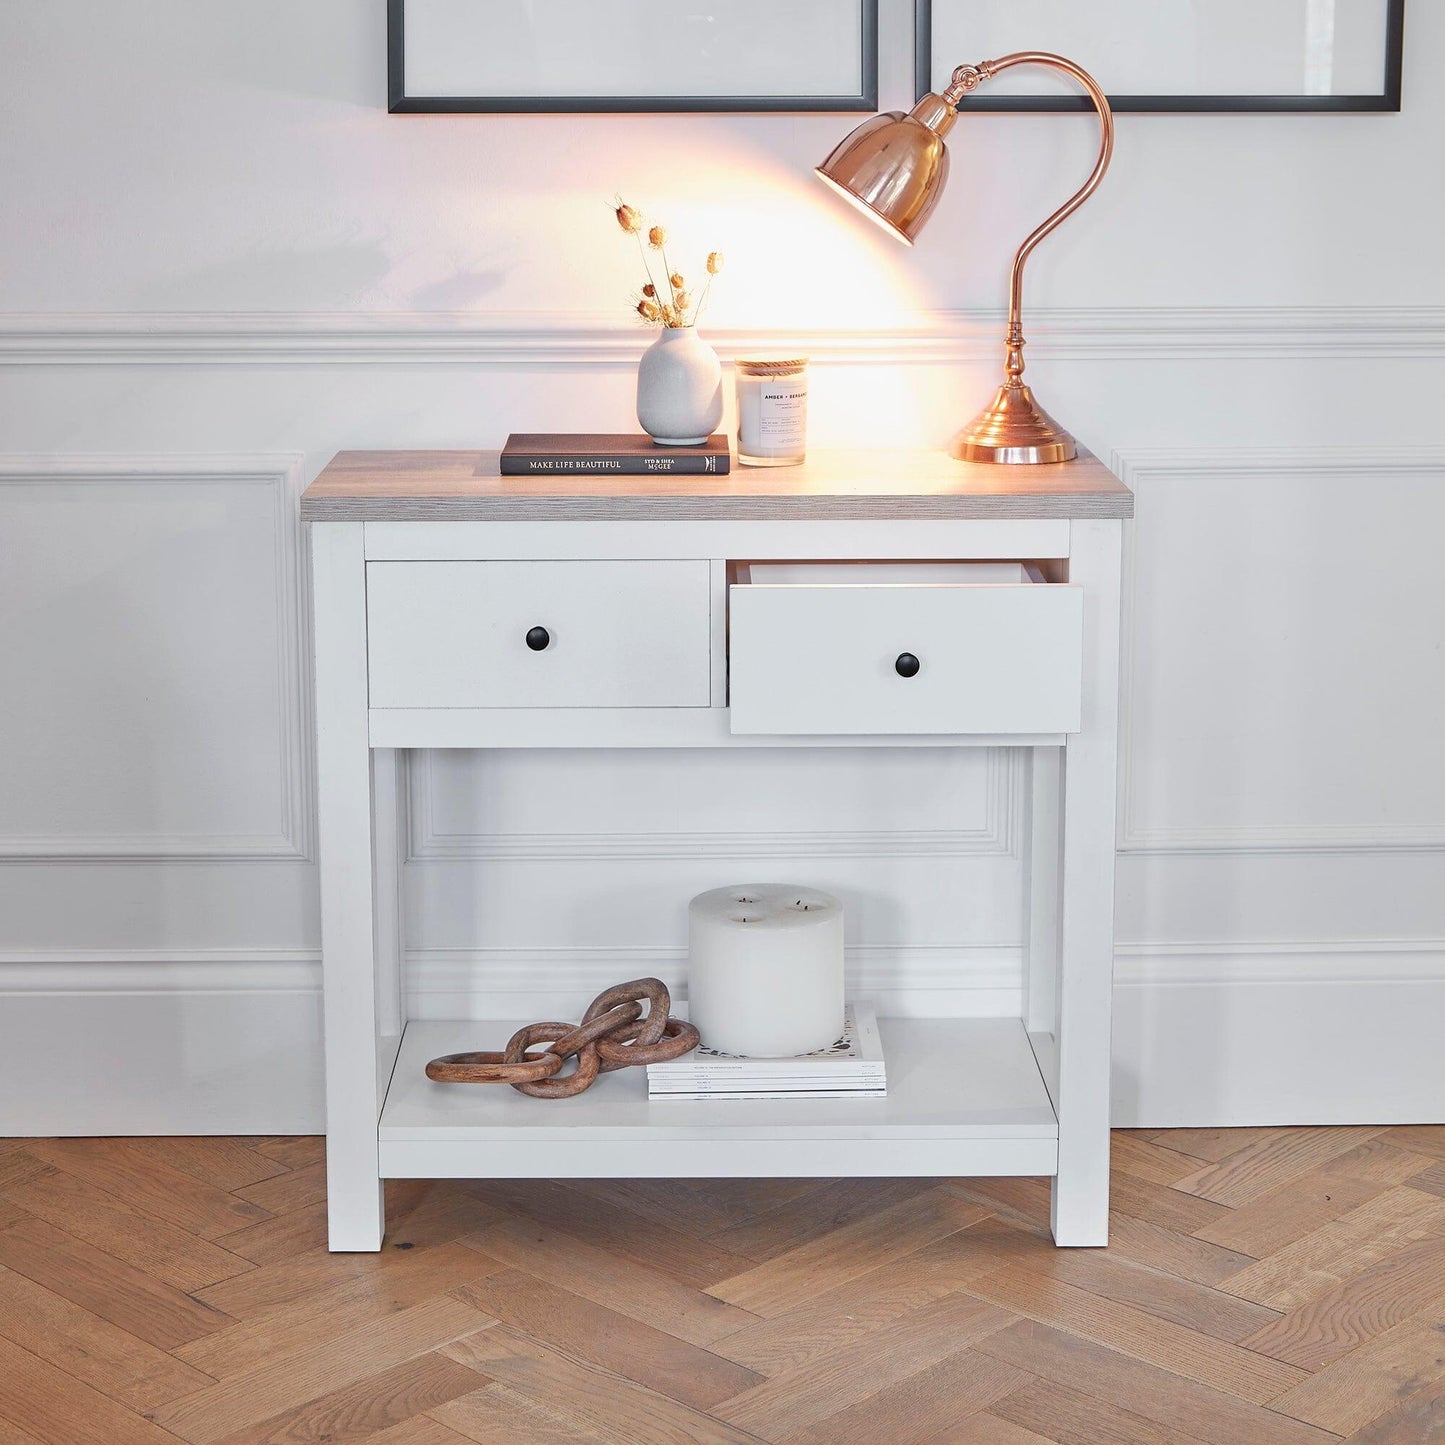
[(623, 454), (851, 1067)]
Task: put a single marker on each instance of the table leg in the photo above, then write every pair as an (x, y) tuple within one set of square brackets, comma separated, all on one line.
[(1042, 876), (388, 830), (1080, 1206), (355, 1205)]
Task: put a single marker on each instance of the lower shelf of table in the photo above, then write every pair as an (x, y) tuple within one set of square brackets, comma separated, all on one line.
[(964, 1097)]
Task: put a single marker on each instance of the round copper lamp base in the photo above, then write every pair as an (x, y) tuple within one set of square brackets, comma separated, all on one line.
[(1014, 430)]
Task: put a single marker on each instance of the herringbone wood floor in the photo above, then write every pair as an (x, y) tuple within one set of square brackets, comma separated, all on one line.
[(1263, 1285)]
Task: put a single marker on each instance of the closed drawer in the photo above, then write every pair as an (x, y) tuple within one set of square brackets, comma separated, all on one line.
[(617, 634), (816, 648)]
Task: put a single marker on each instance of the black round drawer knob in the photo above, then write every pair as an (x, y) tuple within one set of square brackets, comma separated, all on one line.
[(907, 665), (538, 638)]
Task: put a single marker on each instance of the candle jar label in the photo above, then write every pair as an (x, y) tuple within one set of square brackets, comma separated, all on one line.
[(783, 414), (772, 412)]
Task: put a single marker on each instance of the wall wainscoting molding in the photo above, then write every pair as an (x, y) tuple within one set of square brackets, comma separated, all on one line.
[(595, 340), (1324, 961), (74, 971), (917, 979), (996, 837), (284, 475), (452, 972), (1143, 471)]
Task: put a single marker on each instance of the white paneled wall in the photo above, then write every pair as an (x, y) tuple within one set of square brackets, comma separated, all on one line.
[(920, 843), (157, 748), (221, 260), (1325, 600), (175, 587)]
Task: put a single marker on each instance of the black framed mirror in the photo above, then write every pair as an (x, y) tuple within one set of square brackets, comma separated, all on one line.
[(464, 56), (1174, 55)]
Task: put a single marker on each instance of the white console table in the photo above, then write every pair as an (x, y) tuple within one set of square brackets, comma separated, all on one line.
[(456, 608)]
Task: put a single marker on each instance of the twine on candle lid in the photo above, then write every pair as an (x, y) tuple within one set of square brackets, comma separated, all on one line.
[(771, 368)]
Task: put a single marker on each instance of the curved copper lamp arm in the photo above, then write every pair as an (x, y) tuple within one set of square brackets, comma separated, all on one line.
[(969, 77)]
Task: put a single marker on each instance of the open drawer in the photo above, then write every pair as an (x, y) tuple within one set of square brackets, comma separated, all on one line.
[(906, 647)]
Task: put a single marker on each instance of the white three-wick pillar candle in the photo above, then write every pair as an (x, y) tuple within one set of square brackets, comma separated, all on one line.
[(765, 969)]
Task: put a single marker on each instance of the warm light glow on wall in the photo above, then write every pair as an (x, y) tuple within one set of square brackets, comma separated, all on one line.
[(797, 259), (800, 267)]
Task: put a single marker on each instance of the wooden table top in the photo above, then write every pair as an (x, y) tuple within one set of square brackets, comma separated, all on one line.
[(886, 485)]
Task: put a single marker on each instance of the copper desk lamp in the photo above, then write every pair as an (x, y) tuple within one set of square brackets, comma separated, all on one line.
[(894, 167)]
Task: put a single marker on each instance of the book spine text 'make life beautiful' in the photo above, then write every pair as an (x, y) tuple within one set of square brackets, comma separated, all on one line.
[(623, 456), (634, 466)]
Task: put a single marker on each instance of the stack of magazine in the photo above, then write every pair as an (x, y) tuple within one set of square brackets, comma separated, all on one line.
[(849, 1069)]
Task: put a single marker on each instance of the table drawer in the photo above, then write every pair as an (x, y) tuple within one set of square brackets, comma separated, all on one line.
[(829, 648), (538, 634)]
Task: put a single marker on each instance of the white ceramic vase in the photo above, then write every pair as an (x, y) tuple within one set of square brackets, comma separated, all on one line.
[(679, 388)]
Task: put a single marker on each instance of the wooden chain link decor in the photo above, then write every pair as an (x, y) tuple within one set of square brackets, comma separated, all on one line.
[(612, 1035)]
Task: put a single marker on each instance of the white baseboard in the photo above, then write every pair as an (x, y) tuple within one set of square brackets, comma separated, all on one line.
[(229, 1041), (1331, 1032), (224, 1042)]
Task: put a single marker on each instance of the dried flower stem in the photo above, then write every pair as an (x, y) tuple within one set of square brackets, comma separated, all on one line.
[(647, 266), (671, 289), (673, 312), (702, 300)]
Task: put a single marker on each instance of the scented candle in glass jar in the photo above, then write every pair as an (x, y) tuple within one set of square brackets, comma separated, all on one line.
[(772, 412)]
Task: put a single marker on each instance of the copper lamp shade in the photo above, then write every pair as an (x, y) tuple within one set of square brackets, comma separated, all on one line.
[(894, 167)]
